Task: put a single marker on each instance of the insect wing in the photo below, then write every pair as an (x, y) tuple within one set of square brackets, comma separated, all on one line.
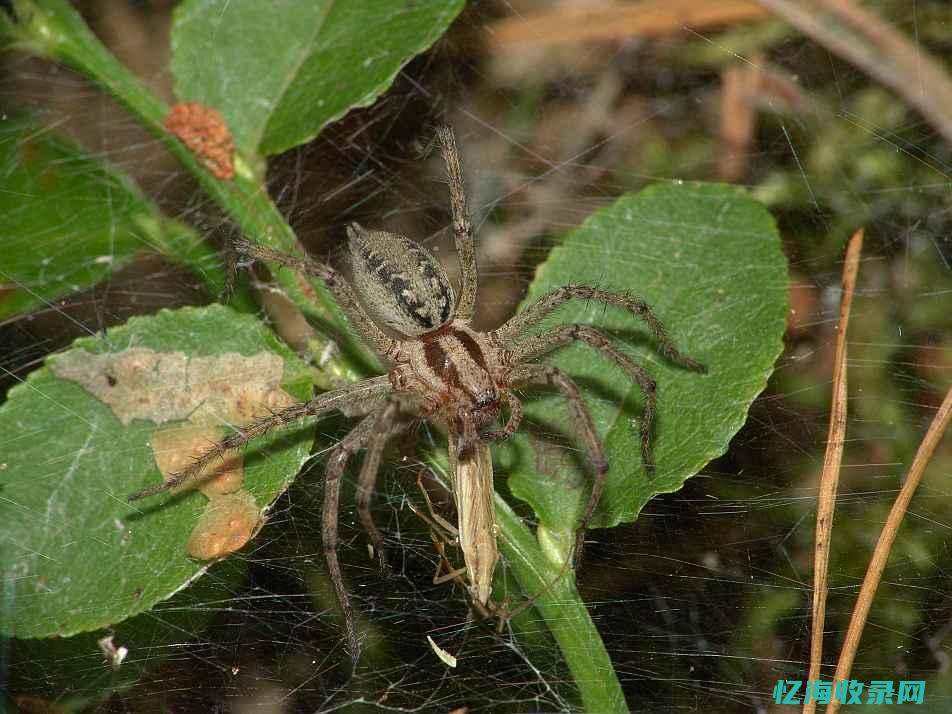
[(473, 489)]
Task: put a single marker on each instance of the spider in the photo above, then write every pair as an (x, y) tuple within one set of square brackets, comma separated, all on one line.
[(445, 371)]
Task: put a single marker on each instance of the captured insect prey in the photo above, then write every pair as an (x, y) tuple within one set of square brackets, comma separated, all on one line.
[(445, 371)]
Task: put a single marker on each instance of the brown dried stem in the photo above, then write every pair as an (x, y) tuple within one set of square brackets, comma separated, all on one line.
[(569, 24), (830, 476), (873, 45), (739, 85), (877, 563)]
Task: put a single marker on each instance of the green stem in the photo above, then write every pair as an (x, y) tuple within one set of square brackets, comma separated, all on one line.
[(54, 30), (565, 614)]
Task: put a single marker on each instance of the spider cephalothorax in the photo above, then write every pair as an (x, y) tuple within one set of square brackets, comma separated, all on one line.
[(444, 370), (450, 367)]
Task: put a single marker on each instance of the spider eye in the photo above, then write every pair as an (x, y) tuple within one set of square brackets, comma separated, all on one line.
[(400, 282), (486, 398)]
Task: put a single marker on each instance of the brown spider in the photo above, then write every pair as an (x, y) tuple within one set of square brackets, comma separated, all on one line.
[(445, 371)]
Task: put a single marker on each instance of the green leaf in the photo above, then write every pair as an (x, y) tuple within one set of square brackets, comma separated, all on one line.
[(70, 220), (280, 72), (708, 260), (82, 557), (7, 30)]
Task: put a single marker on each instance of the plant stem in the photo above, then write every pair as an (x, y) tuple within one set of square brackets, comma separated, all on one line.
[(564, 613), (54, 30)]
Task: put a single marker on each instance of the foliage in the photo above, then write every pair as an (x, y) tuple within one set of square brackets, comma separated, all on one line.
[(706, 257), (74, 460)]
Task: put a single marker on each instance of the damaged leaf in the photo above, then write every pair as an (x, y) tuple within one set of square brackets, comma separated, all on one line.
[(176, 447), (140, 383), (80, 556), (227, 523)]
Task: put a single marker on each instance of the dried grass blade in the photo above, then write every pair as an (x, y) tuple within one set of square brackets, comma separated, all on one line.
[(877, 564), (830, 476), (863, 38)]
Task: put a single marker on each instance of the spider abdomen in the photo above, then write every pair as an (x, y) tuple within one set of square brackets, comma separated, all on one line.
[(402, 284)]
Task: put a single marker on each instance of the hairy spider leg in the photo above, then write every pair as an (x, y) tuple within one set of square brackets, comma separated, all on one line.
[(386, 428), (336, 463), (538, 374), (562, 335), (344, 295), (542, 307), (337, 399), (462, 226), (512, 424)]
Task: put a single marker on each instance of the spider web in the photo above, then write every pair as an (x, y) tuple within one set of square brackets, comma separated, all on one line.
[(703, 602)]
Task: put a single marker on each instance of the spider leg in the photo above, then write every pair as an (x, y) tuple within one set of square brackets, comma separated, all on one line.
[(338, 399), (336, 463), (512, 425), (446, 530), (462, 226), (537, 374), (536, 312), (336, 285), (385, 429), (566, 334), (441, 532)]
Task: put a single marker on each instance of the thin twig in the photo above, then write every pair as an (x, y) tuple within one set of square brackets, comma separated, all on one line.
[(571, 24), (873, 45), (748, 87), (830, 477), (881, 554), (739, 85)]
